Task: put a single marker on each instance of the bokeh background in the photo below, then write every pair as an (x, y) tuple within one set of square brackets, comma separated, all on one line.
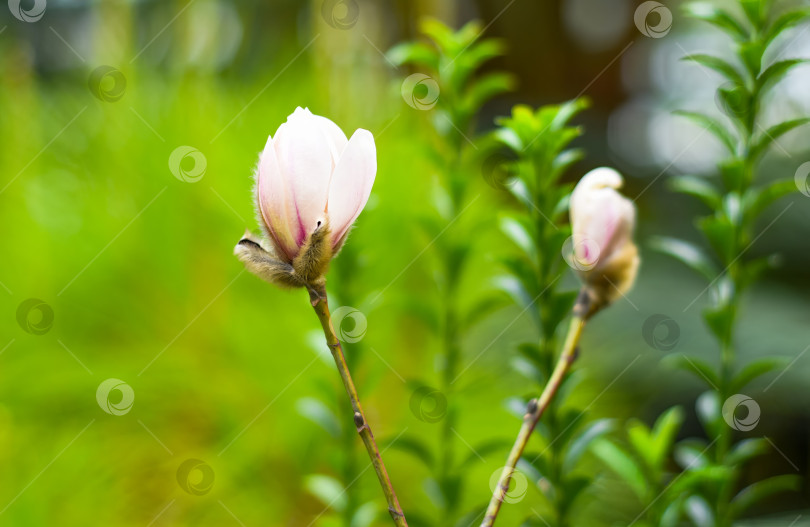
[(127, 253)]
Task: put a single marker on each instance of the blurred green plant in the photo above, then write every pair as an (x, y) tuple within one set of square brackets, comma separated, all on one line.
[(452, 60), (538, 155), (714, 465)]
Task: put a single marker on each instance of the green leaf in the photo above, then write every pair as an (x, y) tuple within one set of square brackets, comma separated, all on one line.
[(699, 511), (773, 133), (414, 446), (622, 464), (691, 454), (720, 232), (418, 53), (719, 65), (776, 71), (517, 230), (712, 125), (579, 445), (760, 490), (756, 369), (485, 88), (698, 187), (745, 450), (754, 11), (640, 438), (784, 22), (709, 412), (733, 173), (482, 450), (687, 253), (327, 489), (696, 366), (663, 435), (757, 200), (717, 17), (365, 515), (720, 320), (320, 414)]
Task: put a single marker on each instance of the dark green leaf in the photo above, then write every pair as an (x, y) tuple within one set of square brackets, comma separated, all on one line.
[(696, 366), (698, 187), (714, 126), (776, 71), (755, 11), (327, 489), (784, 22), (773, 133), (687, 253), (720, 232), (720, 320), (622, 464), (699, 511), (579, 445), (718, 17), (757, 200), (320, 414), (414, 446), (755, 369), (485, 88), (760, 490), (719, 65)]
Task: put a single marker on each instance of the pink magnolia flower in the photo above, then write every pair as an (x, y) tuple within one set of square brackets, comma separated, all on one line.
[(602, 221), (309, 176)]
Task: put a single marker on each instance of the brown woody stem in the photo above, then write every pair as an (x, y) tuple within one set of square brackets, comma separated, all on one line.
[(317, 297), (536, 407)]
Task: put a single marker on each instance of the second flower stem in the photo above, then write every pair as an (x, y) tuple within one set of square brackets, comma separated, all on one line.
[(535, 410), (319, 303)]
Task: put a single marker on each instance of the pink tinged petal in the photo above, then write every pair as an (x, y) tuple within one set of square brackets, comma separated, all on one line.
[(275, 203), (351, 183), (305, 160)]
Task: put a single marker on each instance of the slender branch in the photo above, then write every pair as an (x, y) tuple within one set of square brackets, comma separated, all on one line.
[(319, 303), (536, 407)]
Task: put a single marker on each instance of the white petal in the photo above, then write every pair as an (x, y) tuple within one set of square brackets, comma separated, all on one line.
[(351, 182), (275, 203), (305, 159)]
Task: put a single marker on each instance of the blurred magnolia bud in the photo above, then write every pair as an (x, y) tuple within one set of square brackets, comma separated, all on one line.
[(311, 184), (602, 221)]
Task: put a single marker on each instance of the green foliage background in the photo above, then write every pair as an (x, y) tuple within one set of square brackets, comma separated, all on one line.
[(137, 268)]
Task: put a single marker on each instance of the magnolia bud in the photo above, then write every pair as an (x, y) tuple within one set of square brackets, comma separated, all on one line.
[(602, 221), (311, 184)]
